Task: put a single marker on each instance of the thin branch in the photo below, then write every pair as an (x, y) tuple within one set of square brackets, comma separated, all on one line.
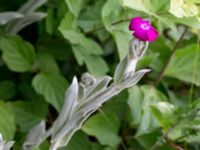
[(103, 27), (185, 135), (123, 145), (177, 147), (160, 75), (163, 137), (118, 22)]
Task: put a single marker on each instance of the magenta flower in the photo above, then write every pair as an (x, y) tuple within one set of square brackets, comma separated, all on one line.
[(143, 29)]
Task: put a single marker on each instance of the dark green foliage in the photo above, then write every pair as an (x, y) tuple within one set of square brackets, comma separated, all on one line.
[(78, 36)]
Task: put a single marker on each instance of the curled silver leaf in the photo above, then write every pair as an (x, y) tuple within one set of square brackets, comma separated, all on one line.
[(35, 136), (4, 145), (15, 26), (119, 72), (137, 48), (100, 85), (22, 18), (6, 17), (8, 145), (81, 91), (66, 112), (31, 5), (70, 128), (88, 80), (133, 78)]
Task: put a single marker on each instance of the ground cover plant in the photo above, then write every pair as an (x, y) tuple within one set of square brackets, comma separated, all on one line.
[(62, 60)]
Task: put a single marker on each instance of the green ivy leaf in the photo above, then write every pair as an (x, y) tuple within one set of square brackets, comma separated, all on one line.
[(140, 101), (168, 21), (120, 31), (110, 148), (93, 62), (52, 87), (68, 22), (74, 6), (193, 22), (147, 6), (122, 40), (19, 55), (76, 38), (85, 49), (82, 140), (111, 15), (164, 113), (154, 8), (135, 103), (55, 12), (29, 113), (46, 63), (89, 45), (90, 19), (183, 65), (136, 4), (50, 22), (7, 89), (57, 48), (180, 8), (7, 122), (104, 127), (77, 50), (147, 140), (117, 105), (171, 21)]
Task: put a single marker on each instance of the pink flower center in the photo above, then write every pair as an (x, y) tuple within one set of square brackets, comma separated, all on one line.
[(145, 26)]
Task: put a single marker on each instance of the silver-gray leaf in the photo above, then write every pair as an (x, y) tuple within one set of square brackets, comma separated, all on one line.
[(69, 103), (70, 128), (8, 145), (6, 17), (15, 26), (133, 78), (137, 48), (119, 73), (35, 136), (88, 80), (100, 85), (31, 5), (5, 146), (81, 91)]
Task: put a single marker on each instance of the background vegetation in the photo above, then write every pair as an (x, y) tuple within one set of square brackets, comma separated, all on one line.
[(77, 36)]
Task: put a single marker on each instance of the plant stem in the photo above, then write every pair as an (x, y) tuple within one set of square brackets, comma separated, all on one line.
[(161, 74), (118, 22), (185, 135), (123, 145), (163, 137), (112, 24), (176, 146)]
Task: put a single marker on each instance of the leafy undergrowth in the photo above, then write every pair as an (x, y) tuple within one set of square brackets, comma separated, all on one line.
[(72, 37)]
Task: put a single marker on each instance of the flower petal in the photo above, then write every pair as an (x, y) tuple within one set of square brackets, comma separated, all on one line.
[(141, 34), (143, 29), (135, 22), (152, 34), (147, 22)]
